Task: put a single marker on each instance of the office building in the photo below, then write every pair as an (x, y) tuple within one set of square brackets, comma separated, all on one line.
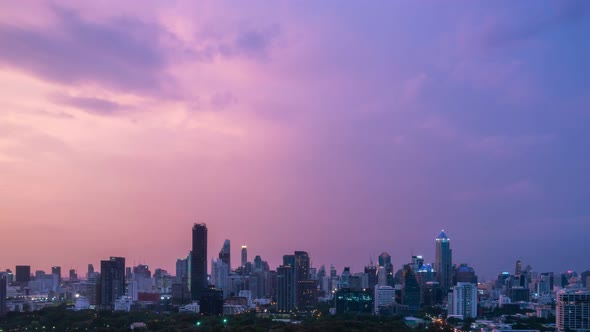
[(221, 278), (211, 302), (573, 310), (371, 271), (518, 268), (23, 273), (443, 261), (384, 300), (112, 281), (73, 275), (57, 271), (181, 270), (385, 262), (244, 256), (285, 288), (198, 262), (3, 293), (410, 290), (462, 302), (225, 253), (431, 294)]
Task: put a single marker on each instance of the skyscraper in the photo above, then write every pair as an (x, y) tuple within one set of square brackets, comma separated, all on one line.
[(572, 310), (198, 266), (112, 281), (443, 263), (285, 288), (57, 270), (225, 253), (301, 265), (410, 289), (73, 275), (181, 270), (23, 273), (385, 261), (3, 284), (518, 268), (371, 271), (244, 256)]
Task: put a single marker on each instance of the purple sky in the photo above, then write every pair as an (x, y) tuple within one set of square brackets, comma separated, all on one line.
[(341, 128)]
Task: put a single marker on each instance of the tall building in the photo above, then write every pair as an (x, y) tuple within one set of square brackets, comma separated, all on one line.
[(181, 270), (244, 256), (443, 262), (304, 295), (371, 271), (301, 265), (285, 288), (572, 310), (112, 281), (23, 273), (385, 261), (73, 275), (180, 291), (3, 290), (384, 300), (57, 271), (462, 301), (225, 253), (431, 294), (410, 289), (518, 268), (258, 266), (198, 262)]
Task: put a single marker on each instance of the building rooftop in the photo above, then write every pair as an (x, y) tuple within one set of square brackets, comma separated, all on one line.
[(442, 235)]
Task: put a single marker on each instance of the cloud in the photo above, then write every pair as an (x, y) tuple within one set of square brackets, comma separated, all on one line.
[(121, 53), (250, 43), (256, 42), (93, 105)]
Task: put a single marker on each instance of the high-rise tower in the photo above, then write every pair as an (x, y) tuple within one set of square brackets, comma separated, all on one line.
[(225, 254), (3, 290), (385, 261), (443, 263), (112, 281), (198, 261), (244, 256)]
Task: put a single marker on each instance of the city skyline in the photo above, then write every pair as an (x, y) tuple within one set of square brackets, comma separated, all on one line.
[(343, 129), (375, 260)]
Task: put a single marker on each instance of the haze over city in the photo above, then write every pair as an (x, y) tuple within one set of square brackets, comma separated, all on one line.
[(339, 128)]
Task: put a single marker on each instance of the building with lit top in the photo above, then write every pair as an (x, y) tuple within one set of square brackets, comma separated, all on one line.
[(443, 261)]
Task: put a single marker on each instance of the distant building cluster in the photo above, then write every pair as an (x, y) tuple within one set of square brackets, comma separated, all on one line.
[(296, 286)]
